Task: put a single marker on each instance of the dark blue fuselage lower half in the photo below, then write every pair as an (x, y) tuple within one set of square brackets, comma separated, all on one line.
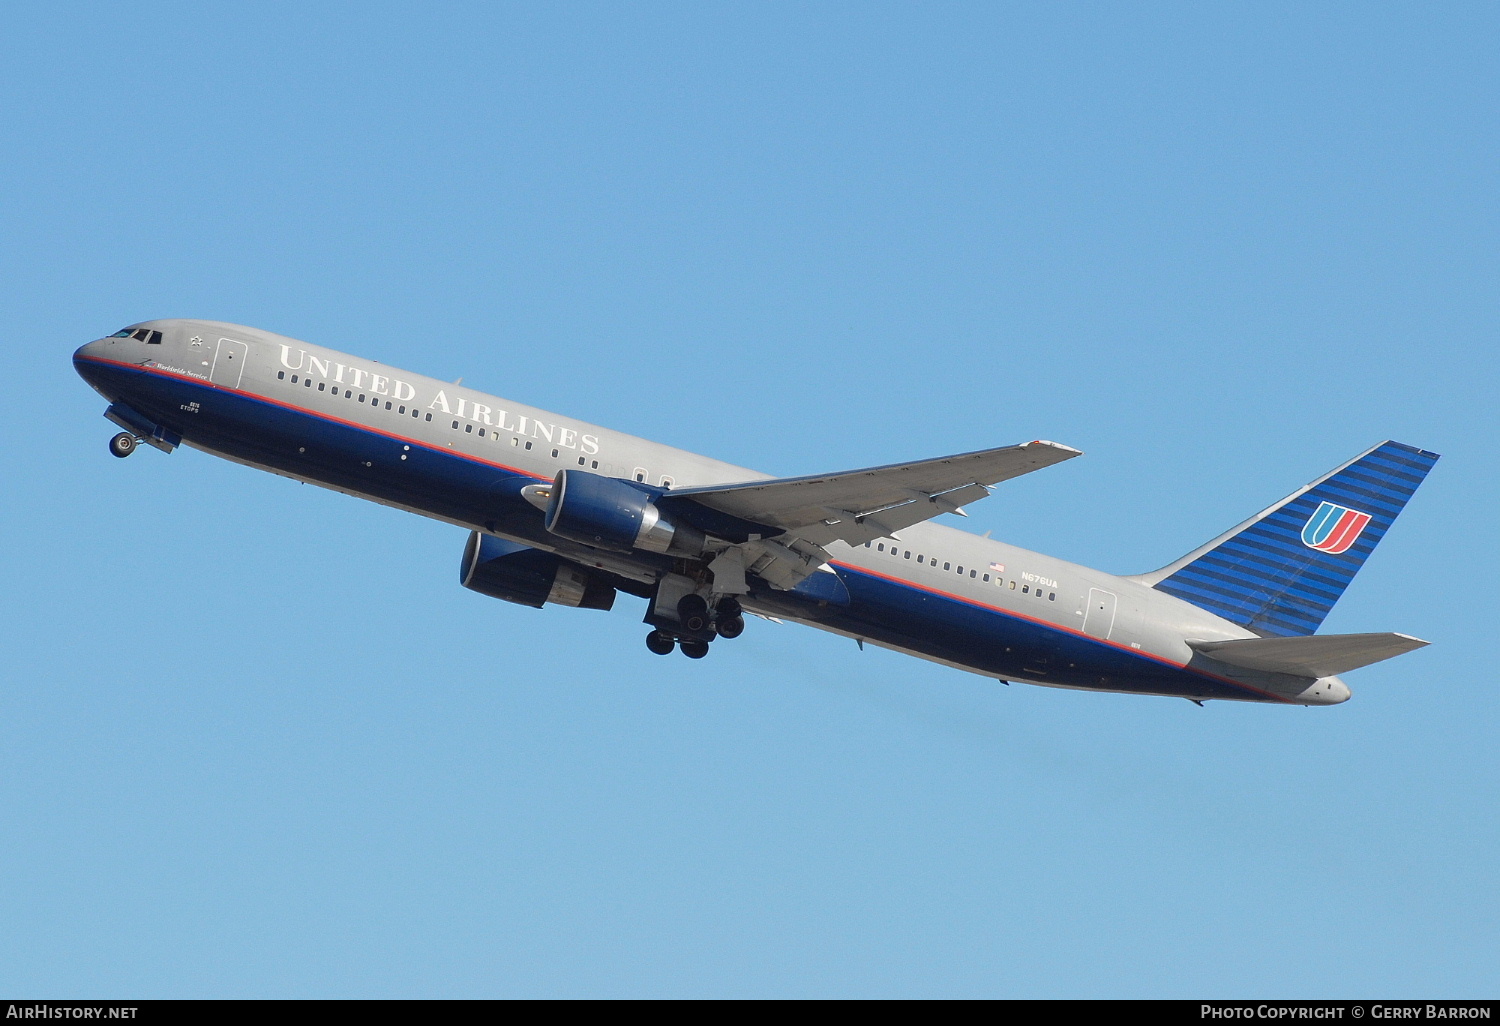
[(463, 489)]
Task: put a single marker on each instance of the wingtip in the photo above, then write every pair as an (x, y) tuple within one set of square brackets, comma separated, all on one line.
[(1057, 445)]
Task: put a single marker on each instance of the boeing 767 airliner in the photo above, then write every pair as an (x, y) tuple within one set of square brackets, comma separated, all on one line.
[(569, 513)]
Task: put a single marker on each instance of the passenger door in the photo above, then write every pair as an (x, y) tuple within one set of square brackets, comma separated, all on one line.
[(1099, 619), (229, 363)]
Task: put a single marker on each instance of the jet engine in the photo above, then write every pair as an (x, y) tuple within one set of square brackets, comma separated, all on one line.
[(611, 514), (529, 577)]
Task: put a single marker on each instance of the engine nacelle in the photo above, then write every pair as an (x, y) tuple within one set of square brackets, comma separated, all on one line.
[(530, 577), (610, 513)]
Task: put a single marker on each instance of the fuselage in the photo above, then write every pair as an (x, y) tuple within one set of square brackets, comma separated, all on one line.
[(454, 453)]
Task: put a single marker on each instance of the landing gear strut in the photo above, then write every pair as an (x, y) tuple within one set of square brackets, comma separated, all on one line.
[(122, 445), (693, 612), (683, 618), (727, 619)]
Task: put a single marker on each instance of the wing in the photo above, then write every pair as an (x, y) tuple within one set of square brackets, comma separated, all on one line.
[(857, 506)]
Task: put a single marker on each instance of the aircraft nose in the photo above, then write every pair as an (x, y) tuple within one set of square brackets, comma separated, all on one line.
[(100, 361), (85, 357), (89, 349)]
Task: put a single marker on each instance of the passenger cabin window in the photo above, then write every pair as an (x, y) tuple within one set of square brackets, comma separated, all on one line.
[(281, 375)]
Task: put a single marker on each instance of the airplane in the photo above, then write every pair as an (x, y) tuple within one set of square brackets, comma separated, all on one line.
[(568, 513)]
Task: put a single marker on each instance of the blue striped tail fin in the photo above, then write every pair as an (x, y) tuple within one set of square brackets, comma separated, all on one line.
[(1280, 572)]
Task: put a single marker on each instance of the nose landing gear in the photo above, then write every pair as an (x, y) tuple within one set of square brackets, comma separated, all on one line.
[(122, 445)]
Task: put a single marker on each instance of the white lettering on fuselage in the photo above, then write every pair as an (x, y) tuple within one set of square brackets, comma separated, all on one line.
[(178, 370), (530, 427), (332, 370), (1039, 580), (404, 391)]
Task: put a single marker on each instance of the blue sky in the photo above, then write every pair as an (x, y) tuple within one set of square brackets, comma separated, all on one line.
[(258, 741)]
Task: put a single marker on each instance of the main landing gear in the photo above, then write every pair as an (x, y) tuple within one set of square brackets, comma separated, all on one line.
[(697, 625), (122, 445)]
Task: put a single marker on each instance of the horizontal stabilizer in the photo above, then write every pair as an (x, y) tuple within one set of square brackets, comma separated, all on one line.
[(1315, 655)]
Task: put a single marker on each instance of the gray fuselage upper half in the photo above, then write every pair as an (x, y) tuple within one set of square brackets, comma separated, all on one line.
[(507, 434)]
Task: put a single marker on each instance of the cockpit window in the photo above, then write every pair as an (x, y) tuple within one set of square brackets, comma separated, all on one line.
[(141, 333), (155, 339), (146, 335), (123, 333)]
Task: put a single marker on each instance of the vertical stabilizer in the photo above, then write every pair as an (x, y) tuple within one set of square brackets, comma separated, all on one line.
[(1280, 572)]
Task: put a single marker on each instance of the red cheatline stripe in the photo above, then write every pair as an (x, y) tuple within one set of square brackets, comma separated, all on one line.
[(847, 566), (205, 383), (1138, 653)]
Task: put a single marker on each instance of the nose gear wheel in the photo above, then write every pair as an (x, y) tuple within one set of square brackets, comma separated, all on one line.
[(122, 445)]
